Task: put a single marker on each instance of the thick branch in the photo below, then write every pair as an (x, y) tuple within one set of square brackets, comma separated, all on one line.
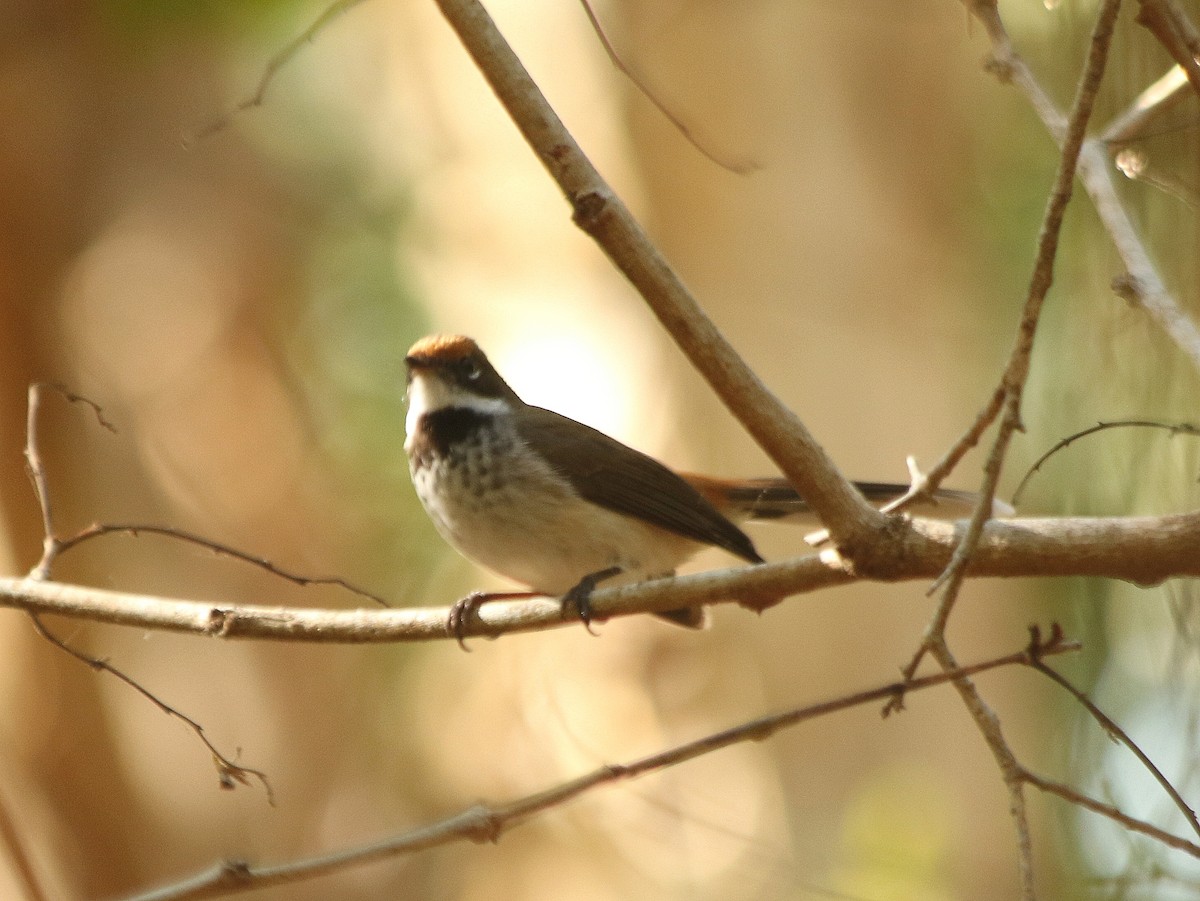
[(600, 213)]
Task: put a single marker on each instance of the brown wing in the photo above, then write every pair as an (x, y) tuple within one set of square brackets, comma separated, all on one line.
[(616, 477)]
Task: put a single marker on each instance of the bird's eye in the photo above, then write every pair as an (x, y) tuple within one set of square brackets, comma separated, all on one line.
[(471, 370)]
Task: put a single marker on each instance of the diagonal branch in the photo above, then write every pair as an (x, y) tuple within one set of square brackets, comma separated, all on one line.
[(229, 773), (1143, 283), (1177, 35), (483, 823), (271, 70), (1116, 733), (739, 166), (1013, 386), (600, 213)]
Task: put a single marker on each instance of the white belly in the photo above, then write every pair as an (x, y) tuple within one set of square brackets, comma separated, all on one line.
[(523, 521)]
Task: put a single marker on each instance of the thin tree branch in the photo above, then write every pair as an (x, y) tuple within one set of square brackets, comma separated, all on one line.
[(271, 70), (1182, 428), (98, 530), (36, 469), (1013, 386), (598, 211), (229, 773), (484, 823), (1143, 282), (742, 166), (1017, 371), (1168, 23), (1116, 733), (1133, 824), (1144, 550), (1010, 770)]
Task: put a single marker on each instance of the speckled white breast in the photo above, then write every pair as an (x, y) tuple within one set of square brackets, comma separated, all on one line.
[(502, 506)]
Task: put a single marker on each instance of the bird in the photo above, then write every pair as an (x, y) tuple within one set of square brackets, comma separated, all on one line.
[(558, 506)]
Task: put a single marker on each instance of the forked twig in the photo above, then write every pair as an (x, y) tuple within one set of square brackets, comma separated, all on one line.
[(36, 469), (230, 774), (53, 545), (1116, 733), (1008, 394), (1012, 386)]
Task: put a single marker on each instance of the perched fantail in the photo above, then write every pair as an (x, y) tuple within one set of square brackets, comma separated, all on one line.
[(558, 506)]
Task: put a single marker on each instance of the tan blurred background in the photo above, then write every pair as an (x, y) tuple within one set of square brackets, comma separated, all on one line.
[(240, 306)]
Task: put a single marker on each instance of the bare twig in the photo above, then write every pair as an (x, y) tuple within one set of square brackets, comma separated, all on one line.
[(1133, 824), (1008, 395), (488, 823), (1182, 428), (53, 545), (274, 64), (1116, 733), (229, 773), (1013, 386), (600, 213), (1017, 370), (1143, 281), (37, 469), (98, 530), (923, 485), (1168, 23), (1010, 770), (741, 166)]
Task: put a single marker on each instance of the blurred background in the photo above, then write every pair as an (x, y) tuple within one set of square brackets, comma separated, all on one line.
[(240, 303)]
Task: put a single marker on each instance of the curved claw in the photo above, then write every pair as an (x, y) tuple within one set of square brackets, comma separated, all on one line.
[(580, 596), (461, 611)]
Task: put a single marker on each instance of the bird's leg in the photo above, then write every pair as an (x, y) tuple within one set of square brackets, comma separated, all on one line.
[(581, 595), (464, 608)]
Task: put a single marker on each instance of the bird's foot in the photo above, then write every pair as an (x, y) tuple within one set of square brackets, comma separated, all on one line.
[(462, 610), (580, 596)]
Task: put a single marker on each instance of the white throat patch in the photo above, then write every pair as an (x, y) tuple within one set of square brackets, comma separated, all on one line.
[(427, 393)]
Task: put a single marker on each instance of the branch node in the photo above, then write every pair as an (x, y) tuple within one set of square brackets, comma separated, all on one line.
[(587, 210), (1000, 67), (1129, 288), (485, 825), (220, 622)]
